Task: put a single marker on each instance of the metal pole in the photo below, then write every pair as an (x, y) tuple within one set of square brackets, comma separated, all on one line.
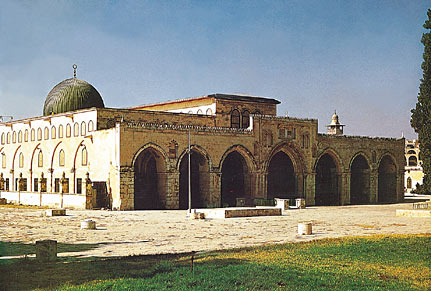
[(189, 181)]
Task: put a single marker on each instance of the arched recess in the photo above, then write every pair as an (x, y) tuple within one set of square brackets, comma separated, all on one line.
[(359, 180), (199, 180), (387, 184), (413, 161), (327, 181), (150, 178), (285, 168), (236, 167)]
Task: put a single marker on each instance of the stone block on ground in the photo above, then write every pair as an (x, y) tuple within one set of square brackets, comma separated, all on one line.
[(55, 212), (46, 250), (305, 228)]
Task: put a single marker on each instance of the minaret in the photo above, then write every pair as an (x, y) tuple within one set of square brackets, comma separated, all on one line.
[(335, 128)]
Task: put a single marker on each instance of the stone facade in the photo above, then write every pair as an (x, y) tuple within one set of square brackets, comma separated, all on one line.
[(137, 158)]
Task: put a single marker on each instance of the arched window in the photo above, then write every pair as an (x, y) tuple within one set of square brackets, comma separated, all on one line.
[(257, 112), (33, 134), (60, 131), (413, 161), (234, 119), (26, 135), (68, 130), (3, 160), (20, 136), (84, 157), (21, 160), (190, 112), (199, 111), (245, 119), (2, 138), (409, 183), (83, 129), (39, 134), (14, 137), (307, 141), (46, 134), (411, 152), (40, 159), (76, 129), (62, 158), (53, 132), (209, 111), (8, 138), (90, 125)]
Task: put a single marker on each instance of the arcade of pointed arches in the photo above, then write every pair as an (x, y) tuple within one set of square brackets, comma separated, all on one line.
[(236, 176)]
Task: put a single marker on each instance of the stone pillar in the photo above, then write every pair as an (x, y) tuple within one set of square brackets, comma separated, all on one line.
[(90, 199), (21, 183), (310, 186), (374, 186), (172, 197), (300, 185), (42, 183), (215, 188), (127, 189), (400, 188), (64, 184), (344, 188)]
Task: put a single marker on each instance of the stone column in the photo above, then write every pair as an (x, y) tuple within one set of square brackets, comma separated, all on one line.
[(345, 188), (400, 188), (90, 202), (300, 185), (374, 186), (127, 189), (172, 197), (1, 182), (310, 186), (215, 188)]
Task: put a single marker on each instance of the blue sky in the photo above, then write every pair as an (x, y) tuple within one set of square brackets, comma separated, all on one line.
[(361, 58)]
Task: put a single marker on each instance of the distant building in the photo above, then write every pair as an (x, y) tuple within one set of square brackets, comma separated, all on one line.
[(81, 154), (414, 173)]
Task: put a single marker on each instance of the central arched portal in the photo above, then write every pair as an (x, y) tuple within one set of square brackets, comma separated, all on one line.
[(149, 180), (281, 177), (327, 192), (199, 171), (359, 181), (387, 180), (235, 179)]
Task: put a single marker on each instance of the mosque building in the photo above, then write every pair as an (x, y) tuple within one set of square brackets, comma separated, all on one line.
[(81, 154)]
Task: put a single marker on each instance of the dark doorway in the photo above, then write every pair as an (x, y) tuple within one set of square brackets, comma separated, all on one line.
[(327, 192), (199, 181), (234, 180), (102, 198), (387, 180), (359, 181), (148, 174), (281, 177)]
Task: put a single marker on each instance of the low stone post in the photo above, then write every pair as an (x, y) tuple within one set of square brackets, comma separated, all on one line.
[(46, 250), (305, 228)]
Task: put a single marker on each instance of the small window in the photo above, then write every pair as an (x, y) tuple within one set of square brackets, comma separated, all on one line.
[(83, 129), (90, 126), (21, 160), (76, 129), (245, 119), (209, 111), (68, 130), (79, 186), (53, 132), (33, 134), (84, 157), (200, 111), (46, 133), (62, 158), (2, 138), (14, 137), (60, 131), (40, 159), (26, 135), (7, 184), (39, 134), (57, 185), (20, 136), (35, 184), (235, 119), (413, 161), (409, 183), (3, 160)]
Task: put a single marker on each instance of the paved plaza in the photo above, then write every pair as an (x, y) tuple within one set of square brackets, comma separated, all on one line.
[(121, 233)]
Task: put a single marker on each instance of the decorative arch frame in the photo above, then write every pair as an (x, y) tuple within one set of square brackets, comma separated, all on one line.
[(360, 153), (244, 152), (292, 151), (197, 149), (387, 153), (148, 146), (333, 153)]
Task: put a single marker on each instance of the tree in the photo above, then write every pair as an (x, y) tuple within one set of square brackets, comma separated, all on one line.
[(421, 115)]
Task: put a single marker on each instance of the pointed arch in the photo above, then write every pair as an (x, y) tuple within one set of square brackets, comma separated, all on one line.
[(328, 167), (387, 180), (360, 179), (150, 179)]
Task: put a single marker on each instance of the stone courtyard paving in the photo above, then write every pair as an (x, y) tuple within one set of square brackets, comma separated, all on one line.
[(121, 233)]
